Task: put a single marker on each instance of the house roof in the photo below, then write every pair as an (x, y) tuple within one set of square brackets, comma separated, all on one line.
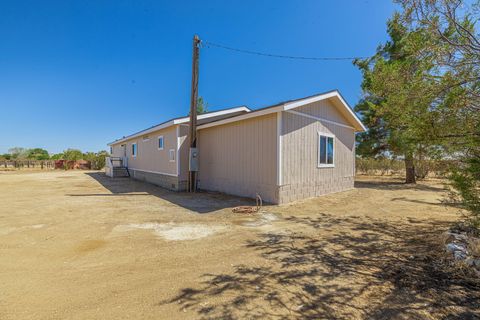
[(226, 113), (231, 114), (334, 95)]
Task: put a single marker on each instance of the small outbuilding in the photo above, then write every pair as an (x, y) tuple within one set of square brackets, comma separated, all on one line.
[(289, 151)]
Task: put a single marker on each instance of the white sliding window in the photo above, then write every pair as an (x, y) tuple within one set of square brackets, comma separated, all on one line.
[(160, 143), (134, 150), (326, 150)]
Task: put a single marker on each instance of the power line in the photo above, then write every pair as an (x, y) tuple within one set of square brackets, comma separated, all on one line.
[(271, 55)]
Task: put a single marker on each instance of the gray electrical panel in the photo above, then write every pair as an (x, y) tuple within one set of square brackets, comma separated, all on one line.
[(193, 159)]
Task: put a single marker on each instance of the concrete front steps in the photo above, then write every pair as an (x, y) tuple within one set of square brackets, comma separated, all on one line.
[(120, 172)]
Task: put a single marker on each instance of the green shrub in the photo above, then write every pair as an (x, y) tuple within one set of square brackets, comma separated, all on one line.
[(465, 180), (97, 160)]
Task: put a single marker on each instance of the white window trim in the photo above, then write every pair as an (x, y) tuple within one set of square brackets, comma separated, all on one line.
[(163, 142), (136, 150), (174, 155), (325, 165)]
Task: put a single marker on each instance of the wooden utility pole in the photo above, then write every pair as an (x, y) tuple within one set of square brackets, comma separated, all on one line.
[(192, 176)]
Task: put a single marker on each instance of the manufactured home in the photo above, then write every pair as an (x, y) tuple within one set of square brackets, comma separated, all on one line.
[(289, 151)]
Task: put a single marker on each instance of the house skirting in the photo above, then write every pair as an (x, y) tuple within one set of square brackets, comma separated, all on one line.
[(284, 194), (294, 192), (170, 182)]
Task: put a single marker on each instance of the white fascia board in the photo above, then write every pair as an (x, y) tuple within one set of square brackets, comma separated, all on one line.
[(296, 104), (212, 114), (147, 131), (241, 117), (288, 106), (181, 121), (336, 94), (351, 112)]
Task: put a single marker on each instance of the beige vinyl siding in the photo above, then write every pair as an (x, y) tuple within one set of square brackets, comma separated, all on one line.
[(117, 150), (239, 158), (324, 109), (301, 176), (184, 147), (149, 157)]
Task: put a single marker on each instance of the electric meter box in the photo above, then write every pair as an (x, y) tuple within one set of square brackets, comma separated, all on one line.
[(193, 159)]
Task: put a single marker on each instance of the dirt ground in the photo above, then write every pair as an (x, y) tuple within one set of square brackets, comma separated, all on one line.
[(79, 245)]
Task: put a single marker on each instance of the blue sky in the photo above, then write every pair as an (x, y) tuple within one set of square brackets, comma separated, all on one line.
[(80, 74)]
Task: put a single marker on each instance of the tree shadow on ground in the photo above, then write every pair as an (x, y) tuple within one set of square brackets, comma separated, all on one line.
[(371, 270), (200, 202), (439, 203)]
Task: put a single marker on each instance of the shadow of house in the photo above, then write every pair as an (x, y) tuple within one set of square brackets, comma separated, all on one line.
[(199, 202), (372, 270)]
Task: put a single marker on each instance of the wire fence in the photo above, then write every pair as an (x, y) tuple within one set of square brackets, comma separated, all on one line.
[(27, 164)]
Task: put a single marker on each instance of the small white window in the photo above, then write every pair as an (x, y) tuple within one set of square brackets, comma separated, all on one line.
[(326, 150), (134, 150), (171, 155), (160, 143)]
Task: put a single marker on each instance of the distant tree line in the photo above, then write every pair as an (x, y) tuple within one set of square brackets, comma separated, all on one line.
[(97, 159), (25, 154)]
